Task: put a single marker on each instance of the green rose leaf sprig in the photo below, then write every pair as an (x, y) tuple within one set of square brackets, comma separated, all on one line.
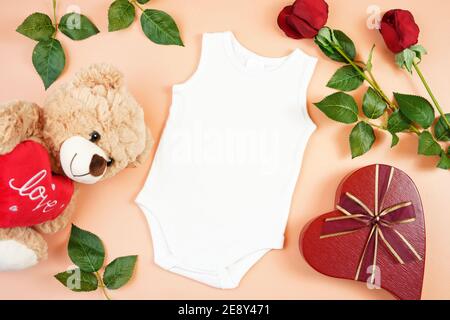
[(87, 252), (406, 114), (48, 57), (157, 25)]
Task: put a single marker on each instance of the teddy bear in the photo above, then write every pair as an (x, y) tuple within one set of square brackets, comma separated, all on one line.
[(87, 130)]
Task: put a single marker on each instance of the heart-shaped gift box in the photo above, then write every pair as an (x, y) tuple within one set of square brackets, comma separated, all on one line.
[(376, 234)]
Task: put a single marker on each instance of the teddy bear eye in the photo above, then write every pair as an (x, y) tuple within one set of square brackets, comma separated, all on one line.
[(95, 136)]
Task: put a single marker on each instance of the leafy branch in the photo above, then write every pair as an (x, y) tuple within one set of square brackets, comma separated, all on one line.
[(87, 252), (49, 58), (407, 114), (157, 25)]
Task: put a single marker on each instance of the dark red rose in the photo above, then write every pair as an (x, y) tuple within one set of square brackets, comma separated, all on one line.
[(303, 19), (399, 30)]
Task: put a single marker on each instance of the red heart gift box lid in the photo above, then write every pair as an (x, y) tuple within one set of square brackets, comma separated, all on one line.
[(376, 234)]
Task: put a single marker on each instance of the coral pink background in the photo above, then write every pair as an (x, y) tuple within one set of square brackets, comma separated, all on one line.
[(108, 209)]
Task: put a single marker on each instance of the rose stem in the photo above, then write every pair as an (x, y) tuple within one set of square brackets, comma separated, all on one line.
[(54, 17), (137, 5), (436, 103), (372, 84), (102, 286)]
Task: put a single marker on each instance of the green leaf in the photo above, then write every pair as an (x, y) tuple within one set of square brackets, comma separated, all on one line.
[(373, 105), (119, 272), (395, 140), (77, 26), (441, 130), (340, 107), (329, 51), (37, 26), (397, 122), (444, 162), (361, 139), (49, 60), (160, 28), (324, 35), (78, 280), (416, 109), (121, 15), (326, 38), (345, 43), (405, 59), (427, 145), (143, 1), (419, 50), (86, 250), (369, 64), (346, 79)]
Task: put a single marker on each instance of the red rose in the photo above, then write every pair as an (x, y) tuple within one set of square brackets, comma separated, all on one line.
[(304, 18), (399, 30)]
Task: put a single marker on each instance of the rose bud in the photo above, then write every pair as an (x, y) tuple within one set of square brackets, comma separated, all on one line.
[(399, 30), (303, 19)]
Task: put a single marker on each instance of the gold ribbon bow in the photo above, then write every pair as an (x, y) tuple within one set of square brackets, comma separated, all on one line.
[(381, 221)]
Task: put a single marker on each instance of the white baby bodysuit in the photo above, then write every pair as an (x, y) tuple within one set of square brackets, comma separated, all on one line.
[(218, 194)]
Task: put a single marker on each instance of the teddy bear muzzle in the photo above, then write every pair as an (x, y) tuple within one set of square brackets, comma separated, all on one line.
[(82, 160)]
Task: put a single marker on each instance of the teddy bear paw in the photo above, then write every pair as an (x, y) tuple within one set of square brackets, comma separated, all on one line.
[(16, 256)]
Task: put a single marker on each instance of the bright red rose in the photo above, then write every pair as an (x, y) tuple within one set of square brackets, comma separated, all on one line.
[(303, 19), (399, 30)]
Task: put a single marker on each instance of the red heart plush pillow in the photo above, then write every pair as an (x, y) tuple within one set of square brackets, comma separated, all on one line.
[(29, 193), (376, 234)]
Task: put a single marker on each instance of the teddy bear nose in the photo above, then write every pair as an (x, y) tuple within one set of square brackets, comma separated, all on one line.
[(97, 166)]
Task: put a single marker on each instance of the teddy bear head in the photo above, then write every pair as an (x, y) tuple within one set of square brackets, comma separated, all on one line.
[(93, 127)]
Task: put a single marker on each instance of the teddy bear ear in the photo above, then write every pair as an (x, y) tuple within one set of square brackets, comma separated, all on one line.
[(96, 75)]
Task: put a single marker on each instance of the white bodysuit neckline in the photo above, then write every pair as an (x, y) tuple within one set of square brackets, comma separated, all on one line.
[(234, 48)]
